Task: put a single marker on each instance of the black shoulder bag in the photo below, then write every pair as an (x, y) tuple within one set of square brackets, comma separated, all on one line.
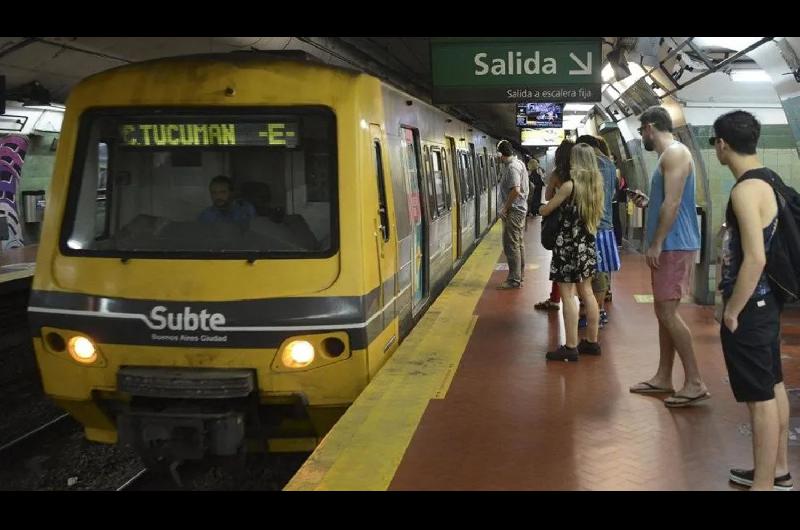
[(551, 225)]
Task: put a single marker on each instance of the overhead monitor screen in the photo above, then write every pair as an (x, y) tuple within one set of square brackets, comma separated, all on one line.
[(540, 115), (542, 137)]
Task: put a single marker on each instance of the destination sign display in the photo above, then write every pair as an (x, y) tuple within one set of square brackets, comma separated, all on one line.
[(211, 133)]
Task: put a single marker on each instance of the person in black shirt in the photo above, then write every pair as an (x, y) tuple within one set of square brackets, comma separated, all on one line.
[(535, 173), (750, 329)]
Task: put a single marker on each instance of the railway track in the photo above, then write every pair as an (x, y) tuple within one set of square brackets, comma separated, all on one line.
[(261, 473), (135, 480), (42, 428)]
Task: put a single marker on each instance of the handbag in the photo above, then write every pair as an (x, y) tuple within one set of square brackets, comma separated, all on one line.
[(550, 227), (552, 224)]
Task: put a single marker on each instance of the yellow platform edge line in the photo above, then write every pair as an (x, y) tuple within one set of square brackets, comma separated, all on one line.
[(15, 275), (453, 367), (358, 453)]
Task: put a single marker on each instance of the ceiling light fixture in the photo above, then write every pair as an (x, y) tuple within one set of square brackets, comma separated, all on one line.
[(750, 76)]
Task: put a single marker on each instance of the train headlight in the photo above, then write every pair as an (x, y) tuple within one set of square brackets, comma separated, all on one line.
[(298, 354), (82, 350)]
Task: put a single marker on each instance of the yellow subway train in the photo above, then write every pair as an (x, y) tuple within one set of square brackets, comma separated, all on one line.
[(236, 243)]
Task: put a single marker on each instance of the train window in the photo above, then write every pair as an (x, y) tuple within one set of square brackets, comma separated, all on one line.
[(462, 177), (469, 176), (448, 195), (410, 143), (101, 207), (471, 180), (382, 209), (489, 169), (437, 174), (484, 180), (429, 188), (249, 183)]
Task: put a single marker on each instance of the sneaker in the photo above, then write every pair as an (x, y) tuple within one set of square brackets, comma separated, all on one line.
[(745, 478), (563, 354), (509, 284), (603, 318), (583, 322), (589, 348)]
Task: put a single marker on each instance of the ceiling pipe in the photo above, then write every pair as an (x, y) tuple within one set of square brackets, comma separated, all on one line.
[(660, 65), (719, 66), (385, 57), (364, 61), (18, 46), (81, 50), (701, 55)]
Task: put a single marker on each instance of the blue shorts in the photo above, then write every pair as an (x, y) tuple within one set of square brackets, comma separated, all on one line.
[(607, 254)]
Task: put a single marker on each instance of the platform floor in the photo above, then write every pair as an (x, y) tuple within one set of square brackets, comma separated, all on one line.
[(509, 420), (17, 266)]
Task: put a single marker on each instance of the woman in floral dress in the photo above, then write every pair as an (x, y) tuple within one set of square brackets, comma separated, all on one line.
[(574, 260)]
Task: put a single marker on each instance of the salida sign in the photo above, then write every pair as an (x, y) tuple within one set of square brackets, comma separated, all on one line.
[(499, 70)]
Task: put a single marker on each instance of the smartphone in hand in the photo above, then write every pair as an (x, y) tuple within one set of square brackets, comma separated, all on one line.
[(638, 197)]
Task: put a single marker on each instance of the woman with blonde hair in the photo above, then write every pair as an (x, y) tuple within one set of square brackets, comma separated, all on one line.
[(574, 260)]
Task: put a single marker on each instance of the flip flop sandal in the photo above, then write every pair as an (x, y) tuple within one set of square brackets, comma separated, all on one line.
[(687, 400), (650, 389)]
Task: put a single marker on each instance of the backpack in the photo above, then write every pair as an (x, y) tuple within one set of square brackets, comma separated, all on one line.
[(783, 257)]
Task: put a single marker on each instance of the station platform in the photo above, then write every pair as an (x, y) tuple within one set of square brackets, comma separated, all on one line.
[(16, 268), (468, 401)]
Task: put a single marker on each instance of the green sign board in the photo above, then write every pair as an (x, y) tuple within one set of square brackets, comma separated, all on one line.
[(499, 70)]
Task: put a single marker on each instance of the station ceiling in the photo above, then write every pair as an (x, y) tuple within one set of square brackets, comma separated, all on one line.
[(58, 63)]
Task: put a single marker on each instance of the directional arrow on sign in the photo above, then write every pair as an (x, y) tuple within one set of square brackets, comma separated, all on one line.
[(584, 68)]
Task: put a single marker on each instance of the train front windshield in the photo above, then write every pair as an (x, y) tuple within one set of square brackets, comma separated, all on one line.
[(203, 184)]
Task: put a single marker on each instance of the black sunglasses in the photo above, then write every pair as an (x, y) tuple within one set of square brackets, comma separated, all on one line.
[(712, 141), (642, 127)]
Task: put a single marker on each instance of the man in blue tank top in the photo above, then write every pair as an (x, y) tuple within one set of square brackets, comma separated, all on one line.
[(673, 239), (750, 330)]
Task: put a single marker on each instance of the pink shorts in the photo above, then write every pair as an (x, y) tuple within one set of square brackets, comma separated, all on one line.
[(671, 279)]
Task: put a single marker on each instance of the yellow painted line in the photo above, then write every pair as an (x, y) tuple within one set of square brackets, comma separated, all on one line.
[(451, 370), (364, 448), (15, 275), (643, 298)]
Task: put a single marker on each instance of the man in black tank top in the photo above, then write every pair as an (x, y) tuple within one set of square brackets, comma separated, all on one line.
[(750, 330)]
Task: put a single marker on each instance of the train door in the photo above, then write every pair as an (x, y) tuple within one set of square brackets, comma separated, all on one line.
[(384, 236), (451, 143), (419, 244)]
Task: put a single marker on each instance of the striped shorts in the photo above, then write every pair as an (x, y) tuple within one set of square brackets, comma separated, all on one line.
[(607, 254)]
